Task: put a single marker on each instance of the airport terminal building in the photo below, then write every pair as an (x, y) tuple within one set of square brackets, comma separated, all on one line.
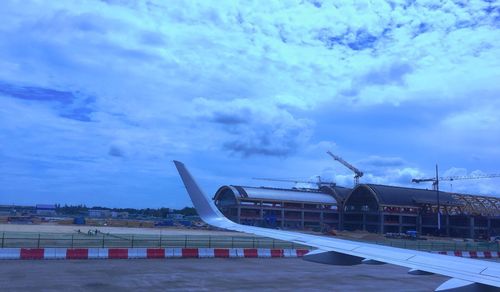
[(370, 207), (283, 208)]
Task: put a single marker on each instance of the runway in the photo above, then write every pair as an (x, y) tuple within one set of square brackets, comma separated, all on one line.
[(206, 275)]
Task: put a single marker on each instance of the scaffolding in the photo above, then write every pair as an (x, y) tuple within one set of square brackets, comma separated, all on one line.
[(478, 205)]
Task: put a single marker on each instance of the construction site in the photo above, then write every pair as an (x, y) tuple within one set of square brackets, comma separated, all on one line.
[(381, 209), (379, 216), (382, 214)]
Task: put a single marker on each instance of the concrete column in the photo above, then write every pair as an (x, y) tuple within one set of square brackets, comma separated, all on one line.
[(282, 218), (419, 224), (447, 220), (471, 227), (340, 212), (488, 224), (364, 222), (381, 219), (400, 220), (239, 214), (302, 218)]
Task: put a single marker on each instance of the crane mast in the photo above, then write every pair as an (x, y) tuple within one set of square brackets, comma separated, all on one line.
[(435, 186), (357, 173)]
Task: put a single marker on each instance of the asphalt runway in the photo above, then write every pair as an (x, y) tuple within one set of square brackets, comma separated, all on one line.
[(206, 275)]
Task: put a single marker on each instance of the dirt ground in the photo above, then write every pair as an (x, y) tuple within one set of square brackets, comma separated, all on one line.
[(54, 228)]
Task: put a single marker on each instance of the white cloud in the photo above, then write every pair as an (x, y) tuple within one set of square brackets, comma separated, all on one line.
[(253, 127), (478, 119), (293, 48), (248, 78), (455, 171)]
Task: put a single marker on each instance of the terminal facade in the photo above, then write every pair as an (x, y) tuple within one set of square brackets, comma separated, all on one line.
[(369, 207)]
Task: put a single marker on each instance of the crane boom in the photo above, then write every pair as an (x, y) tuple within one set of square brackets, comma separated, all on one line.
[(357, 173), (419, 180), (460, 177), (435, 180), (457, 177)]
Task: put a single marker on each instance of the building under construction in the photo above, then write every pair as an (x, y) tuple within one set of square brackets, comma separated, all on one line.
[(370, 207), (283, 208), (380, 208)]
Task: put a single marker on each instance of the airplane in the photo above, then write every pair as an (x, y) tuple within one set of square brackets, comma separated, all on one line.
[(466, 274)]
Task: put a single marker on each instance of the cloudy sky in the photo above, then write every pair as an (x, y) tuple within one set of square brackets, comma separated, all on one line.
[(98, 97)]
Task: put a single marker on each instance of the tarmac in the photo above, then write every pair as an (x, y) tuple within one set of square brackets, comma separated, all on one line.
[(206, 275)]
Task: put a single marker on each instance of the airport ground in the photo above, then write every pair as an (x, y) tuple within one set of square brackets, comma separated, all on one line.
[(207, 275), (45, 235), (283, 274), (56, 228), (74, 236)]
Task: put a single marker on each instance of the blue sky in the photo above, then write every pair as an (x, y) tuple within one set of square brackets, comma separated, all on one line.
[(98, 97)]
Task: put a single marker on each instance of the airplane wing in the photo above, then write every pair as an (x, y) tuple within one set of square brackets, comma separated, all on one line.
[(466, 274)]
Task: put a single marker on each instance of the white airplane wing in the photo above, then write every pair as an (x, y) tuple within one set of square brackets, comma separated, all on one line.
[(466, 274)]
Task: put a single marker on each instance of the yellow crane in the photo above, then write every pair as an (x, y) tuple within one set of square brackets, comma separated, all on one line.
[(357, 173)]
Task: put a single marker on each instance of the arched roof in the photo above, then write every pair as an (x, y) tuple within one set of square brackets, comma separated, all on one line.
[(277, 194), (484, 205), (340, 193), (401, 196)]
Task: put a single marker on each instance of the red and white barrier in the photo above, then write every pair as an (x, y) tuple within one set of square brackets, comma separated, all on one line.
[(472, 254), (98, 253), (144, 253), (10, 253), (162, 253), (54, 253)]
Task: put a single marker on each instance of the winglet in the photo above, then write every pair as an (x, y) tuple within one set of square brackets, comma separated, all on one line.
[(456, 285), (204, 206)]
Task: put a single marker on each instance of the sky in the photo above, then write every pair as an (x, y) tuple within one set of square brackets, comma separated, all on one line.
[(98, 97)]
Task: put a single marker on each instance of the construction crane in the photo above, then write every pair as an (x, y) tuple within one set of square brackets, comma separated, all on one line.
[(435, 186), (435, 181), (357, 173)]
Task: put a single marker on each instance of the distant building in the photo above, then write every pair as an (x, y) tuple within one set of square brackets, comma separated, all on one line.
[(283, 208), (122, 215), (14, 210), (192, 218), (46, 210), (5, 213), (369, 207), (175, 216), (7, 210), (99, 213), (381, 208)]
